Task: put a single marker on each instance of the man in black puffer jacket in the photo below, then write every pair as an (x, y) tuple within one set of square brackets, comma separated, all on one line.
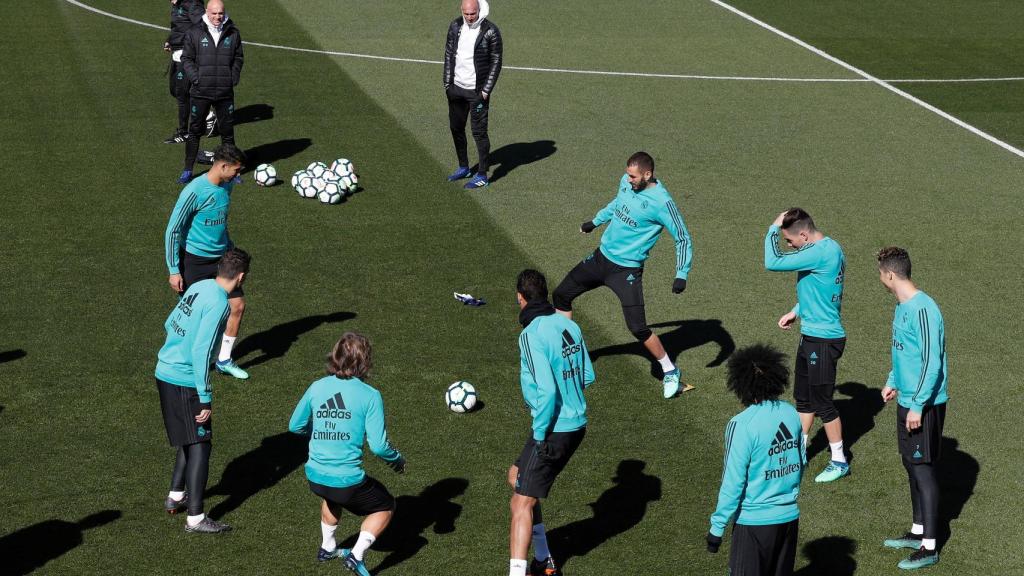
[(212, 58), (184, 15), (472, 62)]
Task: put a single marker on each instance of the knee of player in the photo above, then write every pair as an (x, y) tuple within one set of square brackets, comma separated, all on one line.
[(826, 410), (641, 333), (561, 301), (522, 504), (237, 306)]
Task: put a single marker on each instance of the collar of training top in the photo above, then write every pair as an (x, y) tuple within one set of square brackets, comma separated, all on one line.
[(533, 309)]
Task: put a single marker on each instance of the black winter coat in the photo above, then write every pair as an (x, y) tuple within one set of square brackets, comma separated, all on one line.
[(184, 15), (212, 69), (486, 55)]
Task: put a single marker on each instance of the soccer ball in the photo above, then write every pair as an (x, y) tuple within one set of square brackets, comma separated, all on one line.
[(305, 186), (460, 397), (317, 169), (330, 177), (296, 177), (342, 167), (349, 182), (331, 194), (266, 175)]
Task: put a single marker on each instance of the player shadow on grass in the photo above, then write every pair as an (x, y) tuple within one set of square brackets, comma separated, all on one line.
[(23, 551), (829, 556), (512, 156), (617, 510), (957, 473), (262, 467), (274, 151), (275, 342), (252, 113), (687, 334), (12, 355), (414, 515), (857, 412)]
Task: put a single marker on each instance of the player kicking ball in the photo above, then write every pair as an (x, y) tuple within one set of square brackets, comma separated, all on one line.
[(554, 369), (917, 382), (821, 268), (340, 412), (764, 460), (641, 209)]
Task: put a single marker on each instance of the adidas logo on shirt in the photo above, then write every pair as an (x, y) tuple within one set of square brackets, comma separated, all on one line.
[(783, 441), (334, 408), (569, 345), (185, 304)]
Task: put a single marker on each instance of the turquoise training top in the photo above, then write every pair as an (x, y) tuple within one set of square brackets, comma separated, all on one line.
[(637, 219), (918, 354), (194, 328), (339, 414), (554, 369), (200, 221), (763, 464), (820, 268)]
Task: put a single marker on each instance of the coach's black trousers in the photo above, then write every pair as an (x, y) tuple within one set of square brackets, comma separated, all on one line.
[(200, 107), (463, 104), (179, 86)]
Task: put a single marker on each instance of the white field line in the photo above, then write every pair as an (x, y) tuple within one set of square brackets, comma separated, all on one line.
[(869, 77), (573, 71)]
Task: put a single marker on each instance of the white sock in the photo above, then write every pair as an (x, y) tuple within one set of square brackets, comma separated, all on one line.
[(193, 520), (540, 542), (175, 495), (363, 544), (225, 348), (666, 364), (328, 533), (917, 529), (516, 567), (805, 446), (837, 451), (928, 543)]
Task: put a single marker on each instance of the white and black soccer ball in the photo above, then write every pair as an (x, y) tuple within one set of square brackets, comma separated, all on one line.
[(266, 175), (317, 169), (342, 167), (331, 194), (350, 182), (460, 397), (306, 187), (330, 177), (296, 177)]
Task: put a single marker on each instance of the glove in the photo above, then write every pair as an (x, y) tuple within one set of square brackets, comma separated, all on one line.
[(713, 541), (544, 450), (678, 285), (398, 465), (587, 227)]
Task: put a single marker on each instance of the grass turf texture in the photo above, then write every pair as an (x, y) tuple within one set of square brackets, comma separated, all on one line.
[(86, 296)]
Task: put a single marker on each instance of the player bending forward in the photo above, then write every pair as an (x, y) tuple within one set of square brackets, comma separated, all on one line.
[(554, 369), (339, 412), (764, 459), (918, 383), (640, 210)]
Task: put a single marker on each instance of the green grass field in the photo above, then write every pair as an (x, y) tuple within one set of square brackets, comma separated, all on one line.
[(88, 187)]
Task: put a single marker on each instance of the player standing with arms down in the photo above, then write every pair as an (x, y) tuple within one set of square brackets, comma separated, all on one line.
[(339, 412), (764, 459), (821, 267), (640, 210), (554, 369), (918, 382), (197, 236), (182, 379)]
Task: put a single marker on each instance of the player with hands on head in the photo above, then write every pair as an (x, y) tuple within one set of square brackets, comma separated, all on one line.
[(554, 369), (821, 269), (340, 412), (764, 461), (641, 209), (918, 383)]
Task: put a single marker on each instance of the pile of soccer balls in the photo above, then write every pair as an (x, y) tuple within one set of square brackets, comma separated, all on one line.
[(328, 183)]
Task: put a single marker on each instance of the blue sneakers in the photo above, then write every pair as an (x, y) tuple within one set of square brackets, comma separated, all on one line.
[(186, 177), (230, 368), (460, 173), (478, 181), (353, 565), (323, 555)]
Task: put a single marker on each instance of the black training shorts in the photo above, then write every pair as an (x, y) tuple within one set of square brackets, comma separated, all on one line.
[(627, 283), (768, 550), (536, 473), (365, 498), (195, 268), (814, 380), (180, 406), (924, 445)]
